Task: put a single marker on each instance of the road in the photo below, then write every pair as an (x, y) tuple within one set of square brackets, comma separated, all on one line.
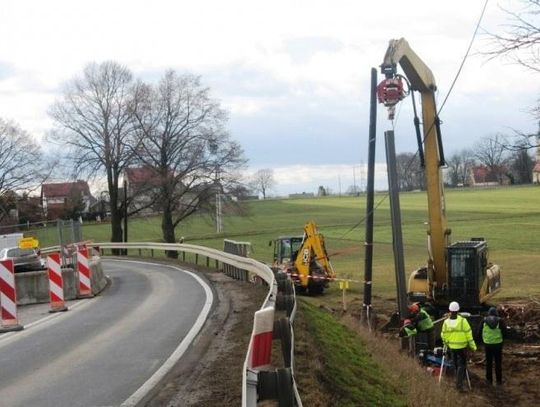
[(109, 350)]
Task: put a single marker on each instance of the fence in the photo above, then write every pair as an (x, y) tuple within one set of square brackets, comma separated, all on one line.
[(259, 382), (48, 233)]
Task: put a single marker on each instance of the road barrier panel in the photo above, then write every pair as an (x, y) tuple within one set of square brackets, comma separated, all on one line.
[(261, 338), (83, 268), (56, 283), (8, 297)]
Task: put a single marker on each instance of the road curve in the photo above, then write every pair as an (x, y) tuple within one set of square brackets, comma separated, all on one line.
[(111, 350)]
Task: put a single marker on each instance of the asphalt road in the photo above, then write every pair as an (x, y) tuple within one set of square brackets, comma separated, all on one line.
[(109, 350)]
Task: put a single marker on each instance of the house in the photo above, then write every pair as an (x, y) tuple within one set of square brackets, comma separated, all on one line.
[(142, 185), (66, 199), (536, 169), (483, 176)]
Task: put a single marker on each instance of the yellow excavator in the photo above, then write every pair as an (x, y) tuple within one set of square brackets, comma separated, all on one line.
[(305, 259), (457, 271)]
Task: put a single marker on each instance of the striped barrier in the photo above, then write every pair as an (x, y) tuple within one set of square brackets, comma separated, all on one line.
[(56, 283), (8, 297), (85, 282), (261, 337)]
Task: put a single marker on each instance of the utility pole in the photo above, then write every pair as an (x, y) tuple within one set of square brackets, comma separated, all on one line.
[(219, 213), (125, 215), (354, 180), (219, 222)]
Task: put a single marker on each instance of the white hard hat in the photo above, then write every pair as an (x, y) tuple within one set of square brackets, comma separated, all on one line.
[(453, 307)]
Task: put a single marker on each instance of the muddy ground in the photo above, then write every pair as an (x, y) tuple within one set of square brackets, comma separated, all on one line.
[(211, 374), (521, 358)]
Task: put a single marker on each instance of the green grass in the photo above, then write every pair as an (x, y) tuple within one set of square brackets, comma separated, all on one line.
[(349, 369)]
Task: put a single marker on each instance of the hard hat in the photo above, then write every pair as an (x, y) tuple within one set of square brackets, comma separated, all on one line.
[(453, 307), (406, 322), (492, 311), (414, 308)]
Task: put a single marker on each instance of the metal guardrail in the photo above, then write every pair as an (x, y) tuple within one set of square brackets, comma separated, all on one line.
[(250, 376)]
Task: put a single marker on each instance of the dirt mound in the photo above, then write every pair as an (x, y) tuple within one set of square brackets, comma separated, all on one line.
[(523, 318)]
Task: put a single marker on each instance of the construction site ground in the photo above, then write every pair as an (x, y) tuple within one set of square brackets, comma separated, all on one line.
[(521, 356)]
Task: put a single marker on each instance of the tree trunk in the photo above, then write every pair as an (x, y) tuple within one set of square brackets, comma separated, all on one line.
[(167, 228)]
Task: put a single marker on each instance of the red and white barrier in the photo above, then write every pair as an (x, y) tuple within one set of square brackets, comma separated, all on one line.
[(8, 297), (263, 327), (85, 282), (56, 283)]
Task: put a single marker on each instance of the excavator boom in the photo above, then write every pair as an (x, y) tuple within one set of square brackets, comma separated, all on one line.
[(453, 272)]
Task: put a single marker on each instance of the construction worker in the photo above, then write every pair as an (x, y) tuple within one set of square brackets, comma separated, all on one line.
[(408, 329), (424, 325), (457, 336), (493, 330)]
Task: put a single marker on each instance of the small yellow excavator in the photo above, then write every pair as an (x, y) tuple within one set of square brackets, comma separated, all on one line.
[(305, 259)]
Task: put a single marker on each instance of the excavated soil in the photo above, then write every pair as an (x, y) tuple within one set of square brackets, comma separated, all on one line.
[(521, 358)]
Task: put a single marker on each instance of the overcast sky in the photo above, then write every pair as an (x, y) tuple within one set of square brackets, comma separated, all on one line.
[(294, 75)]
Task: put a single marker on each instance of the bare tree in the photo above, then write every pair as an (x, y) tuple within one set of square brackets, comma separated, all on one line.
[(520, 41), (186, 144), (491, 152), (459, 168), (410, 173), (21, 166), (94, 121), (521, 163), (263, 180)]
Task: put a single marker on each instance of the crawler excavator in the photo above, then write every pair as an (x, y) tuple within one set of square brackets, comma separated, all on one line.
[(458, 271), (305, 259)]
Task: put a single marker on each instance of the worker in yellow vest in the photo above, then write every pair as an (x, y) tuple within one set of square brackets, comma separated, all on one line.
[(493, 330), (457, 336)]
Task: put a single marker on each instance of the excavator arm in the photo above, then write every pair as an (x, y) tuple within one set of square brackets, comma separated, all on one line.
[(421, 79)]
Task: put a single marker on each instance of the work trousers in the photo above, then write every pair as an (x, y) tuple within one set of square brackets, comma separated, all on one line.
[(494, 352), (459, 357), (425, 339)]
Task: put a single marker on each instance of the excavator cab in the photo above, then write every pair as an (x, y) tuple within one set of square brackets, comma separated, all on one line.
[(286, 249), (471, 280)]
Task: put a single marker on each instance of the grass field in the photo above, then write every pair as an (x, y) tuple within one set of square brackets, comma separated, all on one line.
[(509, 219)]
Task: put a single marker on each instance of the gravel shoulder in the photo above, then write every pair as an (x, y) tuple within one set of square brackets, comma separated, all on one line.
[(211, 371)]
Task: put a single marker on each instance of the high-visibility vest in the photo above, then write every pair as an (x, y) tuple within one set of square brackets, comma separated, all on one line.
[(425, 322), (458, 334), (491, 336), (410, 330)]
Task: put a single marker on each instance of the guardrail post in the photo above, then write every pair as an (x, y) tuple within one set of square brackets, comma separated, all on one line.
[(196, 258), (152, 252), (207, 261)]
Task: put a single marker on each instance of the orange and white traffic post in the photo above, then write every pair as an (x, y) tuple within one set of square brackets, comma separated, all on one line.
[(85, 274), (8, 297), (56, 283), (263, 327)]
